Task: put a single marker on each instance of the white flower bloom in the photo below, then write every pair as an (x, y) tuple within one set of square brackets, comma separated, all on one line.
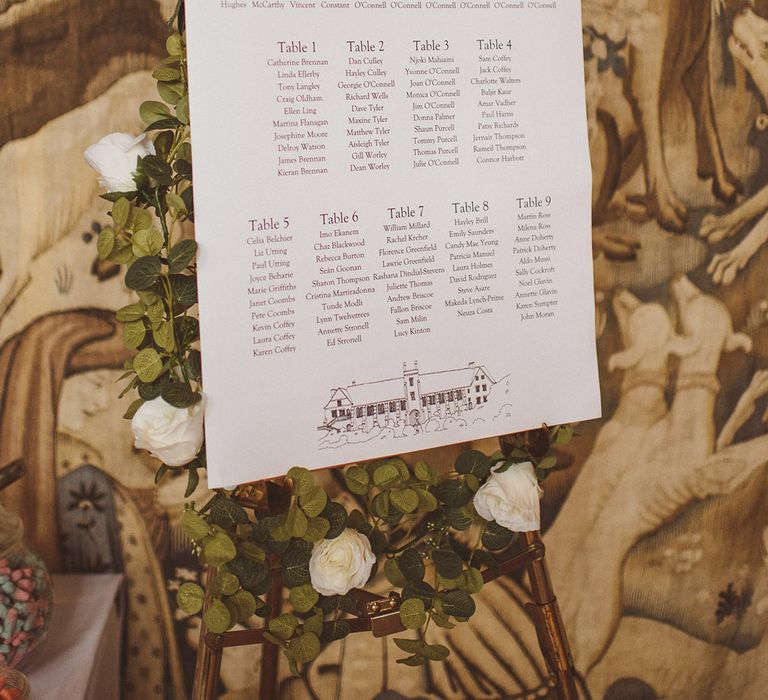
[(341, 564), (114, 159), (173, 435), (511, 498)]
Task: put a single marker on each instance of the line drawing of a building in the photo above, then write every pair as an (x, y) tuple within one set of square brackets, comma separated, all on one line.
[(411, 399)]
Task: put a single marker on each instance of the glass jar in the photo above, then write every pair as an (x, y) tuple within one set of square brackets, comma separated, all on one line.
[(13, 684), (25, 593)]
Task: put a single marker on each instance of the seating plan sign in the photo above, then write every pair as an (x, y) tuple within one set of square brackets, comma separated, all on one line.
[(393, 212)]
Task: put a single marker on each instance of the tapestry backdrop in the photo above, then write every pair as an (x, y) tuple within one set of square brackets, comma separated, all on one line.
[(657, 529)]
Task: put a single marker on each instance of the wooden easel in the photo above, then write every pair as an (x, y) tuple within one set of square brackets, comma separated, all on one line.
[(380, 616)]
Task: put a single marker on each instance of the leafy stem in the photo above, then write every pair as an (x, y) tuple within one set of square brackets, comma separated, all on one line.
[(477, 544)]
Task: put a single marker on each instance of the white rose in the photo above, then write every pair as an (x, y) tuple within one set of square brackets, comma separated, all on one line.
[(341, 564), (114, 159), (511, 498), (173, 435)]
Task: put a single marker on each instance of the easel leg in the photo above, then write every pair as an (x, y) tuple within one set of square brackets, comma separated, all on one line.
[(549, 625), (208, 662), (270, 654)]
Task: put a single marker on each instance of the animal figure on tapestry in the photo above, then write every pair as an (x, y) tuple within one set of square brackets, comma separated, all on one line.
[(670, 470), (633, 429), (52, 184), (667, 42), (747, 43)]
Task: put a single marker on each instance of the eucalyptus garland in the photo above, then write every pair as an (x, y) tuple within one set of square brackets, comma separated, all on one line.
[(433, 535)]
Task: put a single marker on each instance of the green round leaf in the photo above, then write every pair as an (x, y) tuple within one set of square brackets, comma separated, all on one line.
[(283, 626), (165, 73), (147, 365), (187, 330), (193, 525), (143, 273), (315, 622), (472, 581), (152, 111), (163, 336), (173, 44), (453, 492), (249, 571), (132, 312), (217, 618), (184, 289), (313, 502), (253, 551), (190, 598), (412, 613), (386, 475), (179, 394), (296, 564), (182, 253), (317, 528), (337, 519), (458, 519), (401, 467), (419, 589), (279, 531), (304, 648), (218, 549), (336, 629), (122, 254), (105, 242), (140, 219), (156, 312), (296, 522), (225, 512), (182, 110), (302, 480), (303, 598), (358, 521), (472, 482), (405, 500), (411, 565), (473, 462), (564, 434), (357, 480), (244, 604), (427, 500), (226, 583), (547, 463), (497, 537), (121, 210), (458, 604), (447, 563), (134, 333), (380, 505), (393, 574), (448, 584), (174, 201), (424, 472), (148, 241)]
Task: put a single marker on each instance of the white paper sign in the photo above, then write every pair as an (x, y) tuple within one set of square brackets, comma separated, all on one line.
[(393, 212)]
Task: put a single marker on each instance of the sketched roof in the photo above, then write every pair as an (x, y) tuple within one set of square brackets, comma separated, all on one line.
[(371, 392), (447, 379), (393, 389), (336, 395)]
